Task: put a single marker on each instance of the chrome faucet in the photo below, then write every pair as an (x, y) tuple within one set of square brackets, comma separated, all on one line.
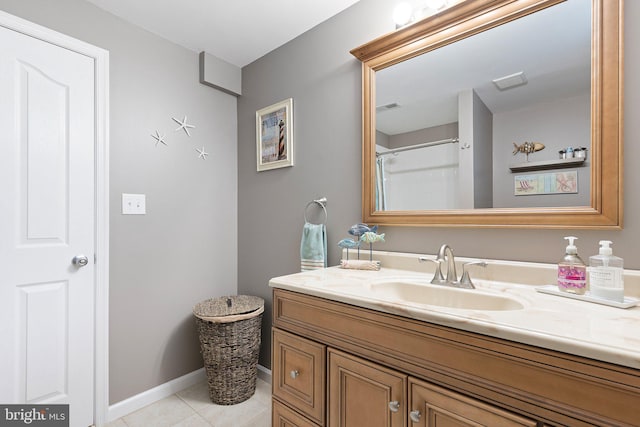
[(445, 255)]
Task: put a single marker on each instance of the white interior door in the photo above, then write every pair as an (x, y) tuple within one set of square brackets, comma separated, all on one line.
[(47, 185)]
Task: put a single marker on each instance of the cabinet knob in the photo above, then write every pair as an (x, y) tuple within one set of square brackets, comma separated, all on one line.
[(415, 416), (294, 374), (394, 406)]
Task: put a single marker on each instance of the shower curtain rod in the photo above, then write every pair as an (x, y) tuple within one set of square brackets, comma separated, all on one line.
[(414, 147)]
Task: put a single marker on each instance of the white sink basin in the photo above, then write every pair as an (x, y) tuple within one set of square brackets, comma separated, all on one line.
[(443, 296)]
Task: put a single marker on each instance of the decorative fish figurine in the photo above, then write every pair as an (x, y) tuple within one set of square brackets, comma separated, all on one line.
[(359, 229), (527, 147), (372, 237), (349, 244)]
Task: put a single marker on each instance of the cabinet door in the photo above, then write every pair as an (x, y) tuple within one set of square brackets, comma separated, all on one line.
[(433, 406), (299, 374), (285, 417), (362, 393)]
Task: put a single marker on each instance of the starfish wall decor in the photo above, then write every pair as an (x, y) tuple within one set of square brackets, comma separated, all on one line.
[(183, 125), (159, 138), (202, 154)]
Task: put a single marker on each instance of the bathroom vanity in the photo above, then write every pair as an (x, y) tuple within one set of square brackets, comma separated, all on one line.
[(386, 348), (355, 348)]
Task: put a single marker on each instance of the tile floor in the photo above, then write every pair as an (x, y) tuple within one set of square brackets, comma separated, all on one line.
[(192, 407)]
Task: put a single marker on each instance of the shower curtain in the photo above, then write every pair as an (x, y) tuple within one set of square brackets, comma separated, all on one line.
[(381, 197)]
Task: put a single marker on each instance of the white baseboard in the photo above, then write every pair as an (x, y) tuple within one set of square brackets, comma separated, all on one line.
[(132, 404), (264, 374)]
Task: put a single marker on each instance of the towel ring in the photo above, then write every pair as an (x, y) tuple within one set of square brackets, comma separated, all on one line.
[(322, 203)]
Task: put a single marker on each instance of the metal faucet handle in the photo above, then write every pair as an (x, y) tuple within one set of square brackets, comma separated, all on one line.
[(438, 278), (465, 280)]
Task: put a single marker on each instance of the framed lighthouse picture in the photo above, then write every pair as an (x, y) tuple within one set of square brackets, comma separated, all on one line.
[(274, 136)]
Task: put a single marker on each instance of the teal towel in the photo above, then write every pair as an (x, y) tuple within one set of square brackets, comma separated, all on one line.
[(313, 247)]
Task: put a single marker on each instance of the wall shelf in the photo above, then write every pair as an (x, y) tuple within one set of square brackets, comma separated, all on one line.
[(547, 164)]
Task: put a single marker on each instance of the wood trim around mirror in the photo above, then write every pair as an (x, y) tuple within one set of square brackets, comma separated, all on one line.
[(474, 16)]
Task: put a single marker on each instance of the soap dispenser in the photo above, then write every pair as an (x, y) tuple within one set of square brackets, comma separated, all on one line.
[(606, 279), (572, 271)]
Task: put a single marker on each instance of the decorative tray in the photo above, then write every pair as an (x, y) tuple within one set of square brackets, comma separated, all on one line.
[(553, 290)]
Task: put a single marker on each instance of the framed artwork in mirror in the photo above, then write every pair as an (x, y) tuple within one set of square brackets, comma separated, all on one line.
[(274, 136)]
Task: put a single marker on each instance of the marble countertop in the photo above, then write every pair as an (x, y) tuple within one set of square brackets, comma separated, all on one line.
[(577, 327)]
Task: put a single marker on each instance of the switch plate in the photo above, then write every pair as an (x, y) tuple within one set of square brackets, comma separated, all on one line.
[(134, 204)]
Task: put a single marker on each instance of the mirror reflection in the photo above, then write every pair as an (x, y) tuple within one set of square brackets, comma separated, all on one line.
[(452, 124)]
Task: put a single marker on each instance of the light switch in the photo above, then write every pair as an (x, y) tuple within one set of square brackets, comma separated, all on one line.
[(134, 204)]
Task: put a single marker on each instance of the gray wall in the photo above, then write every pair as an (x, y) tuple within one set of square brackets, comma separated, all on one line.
[(435, 133), (324, 81), (184, 250), (323, 78), (482, 149)]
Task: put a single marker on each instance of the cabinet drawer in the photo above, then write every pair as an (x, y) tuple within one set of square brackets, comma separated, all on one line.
[(434, 406), (299, 373), (285, 417)]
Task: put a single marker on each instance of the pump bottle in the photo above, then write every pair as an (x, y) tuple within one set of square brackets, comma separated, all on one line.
[(572, 271), (606, 278)]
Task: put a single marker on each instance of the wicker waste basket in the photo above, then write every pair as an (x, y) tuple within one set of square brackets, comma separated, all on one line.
[(229, 329)]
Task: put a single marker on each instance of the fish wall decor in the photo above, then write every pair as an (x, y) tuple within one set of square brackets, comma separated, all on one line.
[(527, 147)]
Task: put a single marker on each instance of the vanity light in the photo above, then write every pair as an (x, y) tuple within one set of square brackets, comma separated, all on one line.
[(402, 14), (405, 13), (437, 4)]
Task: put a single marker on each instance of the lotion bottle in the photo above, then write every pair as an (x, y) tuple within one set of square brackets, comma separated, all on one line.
[(606, 275), (572, 271)]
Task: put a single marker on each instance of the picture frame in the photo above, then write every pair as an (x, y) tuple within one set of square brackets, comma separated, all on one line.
[(274, 136), (565, 182)]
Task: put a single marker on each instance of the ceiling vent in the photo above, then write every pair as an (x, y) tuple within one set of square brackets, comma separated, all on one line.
[(512, 80), (386, 107)]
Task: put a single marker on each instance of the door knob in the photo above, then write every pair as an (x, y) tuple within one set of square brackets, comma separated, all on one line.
[(80, 260), (415, 416)]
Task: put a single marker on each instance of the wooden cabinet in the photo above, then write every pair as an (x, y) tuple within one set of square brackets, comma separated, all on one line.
[(282, 416), (358, 360), (362, 393), (298, 374), (433, 406)]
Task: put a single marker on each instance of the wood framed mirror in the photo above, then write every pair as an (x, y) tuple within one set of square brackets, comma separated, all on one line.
[(601, 205)]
